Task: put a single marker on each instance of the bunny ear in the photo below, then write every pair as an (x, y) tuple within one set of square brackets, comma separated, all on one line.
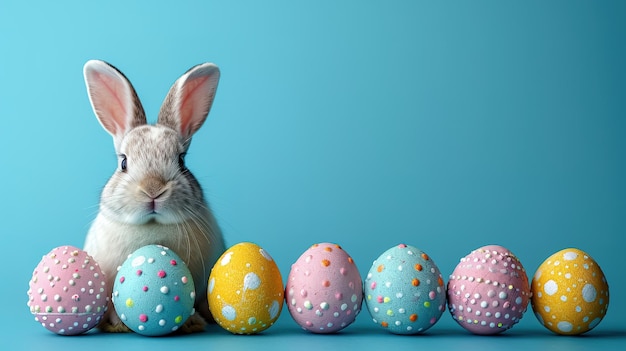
[(113, 98), (188, 102)]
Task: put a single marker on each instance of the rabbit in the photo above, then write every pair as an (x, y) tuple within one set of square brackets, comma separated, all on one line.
[(152, 198)]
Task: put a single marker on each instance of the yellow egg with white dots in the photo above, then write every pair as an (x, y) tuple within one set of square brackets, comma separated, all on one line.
[(245, 290), (570, 294)]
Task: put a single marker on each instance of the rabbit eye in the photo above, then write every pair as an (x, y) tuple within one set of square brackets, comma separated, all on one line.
[(181, 162), (123, 163)]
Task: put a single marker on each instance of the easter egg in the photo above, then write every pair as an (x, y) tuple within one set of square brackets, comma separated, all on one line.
[(245, 290), (570, 292), (488, 291), (324, 290), (154, 292), (405, 292), (67, 293)]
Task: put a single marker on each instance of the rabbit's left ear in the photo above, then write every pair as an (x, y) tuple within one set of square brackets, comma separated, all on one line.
[(189, 100)]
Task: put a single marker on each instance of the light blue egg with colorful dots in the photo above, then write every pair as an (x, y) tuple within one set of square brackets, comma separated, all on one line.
[(404, 290), (154, 292)]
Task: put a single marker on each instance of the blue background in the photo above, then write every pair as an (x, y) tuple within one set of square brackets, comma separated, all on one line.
[(446, 125)]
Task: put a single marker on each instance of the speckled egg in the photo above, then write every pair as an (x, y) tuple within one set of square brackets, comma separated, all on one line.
[(245, 290), (67, 293), (154, 292), (488, 291), (324, 291), (570, 292), (405, 292)]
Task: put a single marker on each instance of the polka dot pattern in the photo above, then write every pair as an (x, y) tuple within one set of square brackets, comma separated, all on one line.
[(405, 292), (488, 291), (245, 290), (67, 293), (324, 290), (570, 292), (154, 292)]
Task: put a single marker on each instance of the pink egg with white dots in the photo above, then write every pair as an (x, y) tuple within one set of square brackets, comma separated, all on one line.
[(488, 291), (324, 289), (67, 293)]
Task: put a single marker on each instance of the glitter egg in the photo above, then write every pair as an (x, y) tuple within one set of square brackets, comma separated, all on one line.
[(405, 292), (324, 291), (154, 291), (245, 290), (488, 291), (67, 293), (570, 293)]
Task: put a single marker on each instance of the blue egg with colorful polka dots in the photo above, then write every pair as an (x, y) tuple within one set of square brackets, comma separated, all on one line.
[(404, 291), (154, 292)]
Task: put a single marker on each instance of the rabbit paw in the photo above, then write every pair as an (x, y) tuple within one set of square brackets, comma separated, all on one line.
[(112, 327), (194, 324)]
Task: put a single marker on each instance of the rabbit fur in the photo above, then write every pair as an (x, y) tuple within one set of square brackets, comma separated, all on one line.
[(152, 198)]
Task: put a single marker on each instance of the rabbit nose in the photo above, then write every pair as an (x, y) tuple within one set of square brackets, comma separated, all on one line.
[(153, 187)]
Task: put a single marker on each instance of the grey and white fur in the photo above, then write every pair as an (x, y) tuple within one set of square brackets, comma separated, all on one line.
[(152, 198)]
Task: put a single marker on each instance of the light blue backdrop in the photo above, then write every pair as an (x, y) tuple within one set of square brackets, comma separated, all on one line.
[(446, 125)]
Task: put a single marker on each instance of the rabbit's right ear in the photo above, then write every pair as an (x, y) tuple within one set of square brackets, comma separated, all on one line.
[(113, 98)]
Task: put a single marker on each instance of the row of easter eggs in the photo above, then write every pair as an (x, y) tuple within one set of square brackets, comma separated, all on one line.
[(404, 292)]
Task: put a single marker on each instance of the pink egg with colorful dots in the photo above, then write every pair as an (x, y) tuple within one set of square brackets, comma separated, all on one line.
[(67, 293), (324, 289), (488, 291), (404, 290)]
